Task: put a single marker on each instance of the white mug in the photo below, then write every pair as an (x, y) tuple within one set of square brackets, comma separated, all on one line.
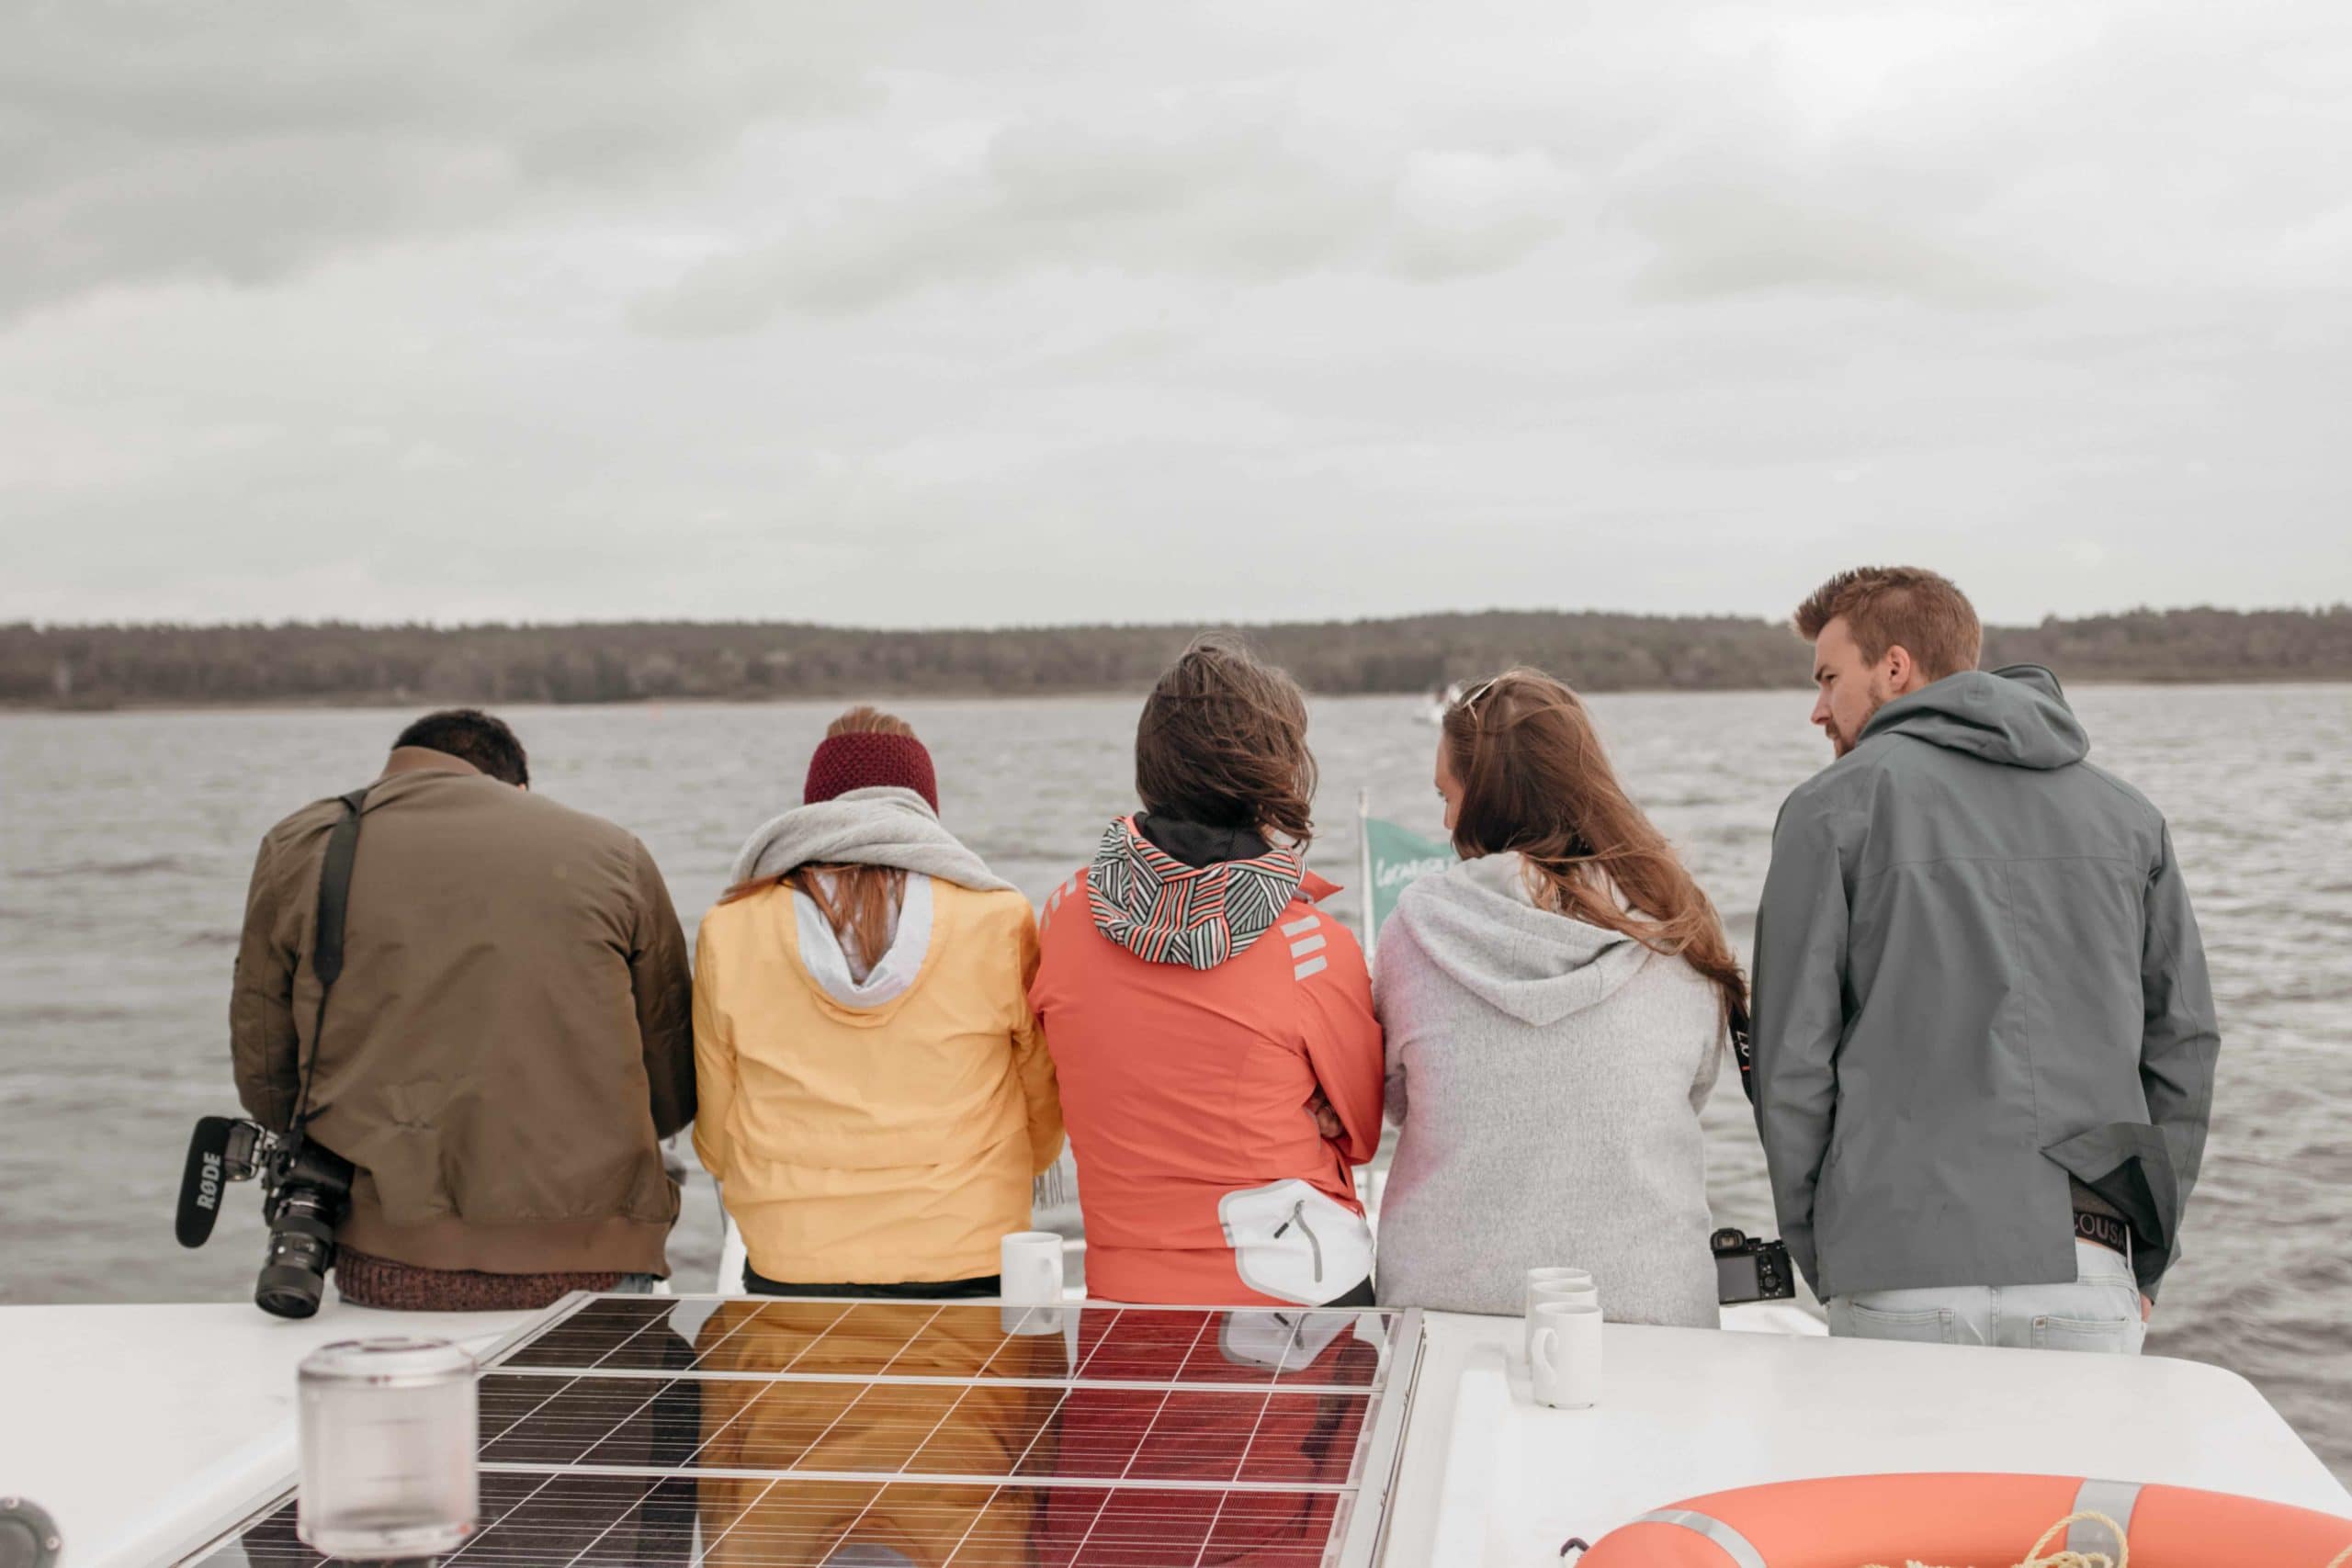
[(1577, 1292), (1564, 1355), (1562, 1291), (1550, 1276), (1029, 1269)]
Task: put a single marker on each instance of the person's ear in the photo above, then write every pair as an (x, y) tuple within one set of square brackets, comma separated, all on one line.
[(1901, 669)]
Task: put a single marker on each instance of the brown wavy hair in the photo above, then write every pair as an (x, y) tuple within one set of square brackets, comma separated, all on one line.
[(1907, 605), (1223, 742), (1535, 779), (861, 899)]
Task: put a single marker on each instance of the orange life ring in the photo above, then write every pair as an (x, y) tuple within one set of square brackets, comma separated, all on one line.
[(1851, 1520)]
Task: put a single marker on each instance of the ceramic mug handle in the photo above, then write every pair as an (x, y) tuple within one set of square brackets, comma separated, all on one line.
[(1540, 1351)]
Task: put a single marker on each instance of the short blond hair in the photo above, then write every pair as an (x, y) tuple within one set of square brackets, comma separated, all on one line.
[(1899, 606)]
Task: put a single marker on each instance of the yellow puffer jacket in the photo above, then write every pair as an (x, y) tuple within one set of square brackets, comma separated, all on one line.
[(879, 1144)]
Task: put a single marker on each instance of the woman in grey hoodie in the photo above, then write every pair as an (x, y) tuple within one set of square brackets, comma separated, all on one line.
[(1555, 1009)]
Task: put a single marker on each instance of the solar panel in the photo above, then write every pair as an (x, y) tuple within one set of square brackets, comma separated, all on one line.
[(747, 1432)]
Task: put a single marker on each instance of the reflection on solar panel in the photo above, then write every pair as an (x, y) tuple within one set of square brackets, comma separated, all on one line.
[(757, 1433)]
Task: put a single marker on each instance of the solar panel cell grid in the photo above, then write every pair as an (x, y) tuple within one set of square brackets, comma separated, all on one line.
[(599, 1331), (960, 1341), (1084, 1430), (553, 1519), (758, 1434)]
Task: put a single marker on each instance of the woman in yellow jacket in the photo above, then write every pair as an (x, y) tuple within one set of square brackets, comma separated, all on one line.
[(875, 1097)]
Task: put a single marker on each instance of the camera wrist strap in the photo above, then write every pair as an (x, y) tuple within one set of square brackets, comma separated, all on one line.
[(326, 949)]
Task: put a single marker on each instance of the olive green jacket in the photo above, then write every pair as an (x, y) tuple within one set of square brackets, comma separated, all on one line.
[(511, 1036)]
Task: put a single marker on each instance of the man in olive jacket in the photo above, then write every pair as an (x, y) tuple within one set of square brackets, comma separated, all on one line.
[(1984, 1040), (509, 1040)]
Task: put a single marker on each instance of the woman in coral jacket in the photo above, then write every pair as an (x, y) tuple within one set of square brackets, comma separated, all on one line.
[(1211, 1029), (875, 1099)]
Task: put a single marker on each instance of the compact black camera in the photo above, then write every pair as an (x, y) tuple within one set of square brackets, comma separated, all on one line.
[(1748, 1270), (306, 1191)]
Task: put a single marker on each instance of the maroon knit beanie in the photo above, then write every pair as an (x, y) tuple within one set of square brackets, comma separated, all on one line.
[(844, 762)]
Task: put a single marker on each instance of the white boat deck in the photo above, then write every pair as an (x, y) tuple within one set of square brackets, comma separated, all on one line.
[(140, 1428), (1489, 1478)]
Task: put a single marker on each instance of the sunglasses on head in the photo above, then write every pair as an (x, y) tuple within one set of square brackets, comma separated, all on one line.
[(1469, 701)]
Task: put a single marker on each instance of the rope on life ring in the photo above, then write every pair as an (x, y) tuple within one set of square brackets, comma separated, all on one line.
[(2071, 1558)]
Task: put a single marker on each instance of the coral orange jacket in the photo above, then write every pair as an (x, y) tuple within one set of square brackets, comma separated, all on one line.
[(1187, 1095)]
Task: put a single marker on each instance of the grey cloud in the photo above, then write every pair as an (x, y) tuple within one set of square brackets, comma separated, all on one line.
[(238, 143), (1218, 189), (1717, 236), (1328, 309)]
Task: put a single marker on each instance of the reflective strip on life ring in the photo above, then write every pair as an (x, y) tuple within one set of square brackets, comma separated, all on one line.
[(1841, 1521), (1734, 1543), (2116, 1499)]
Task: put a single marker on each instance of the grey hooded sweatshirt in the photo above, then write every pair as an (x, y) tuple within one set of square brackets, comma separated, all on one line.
[(1976, 976), (1548, 1076)]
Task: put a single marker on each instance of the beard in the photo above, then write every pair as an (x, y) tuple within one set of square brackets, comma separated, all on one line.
[(1840, 741)]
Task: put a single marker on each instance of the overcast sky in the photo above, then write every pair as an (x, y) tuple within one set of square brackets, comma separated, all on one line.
[(1006, 314)]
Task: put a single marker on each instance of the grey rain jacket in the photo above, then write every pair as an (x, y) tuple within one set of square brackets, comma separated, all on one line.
[(1976, 975)]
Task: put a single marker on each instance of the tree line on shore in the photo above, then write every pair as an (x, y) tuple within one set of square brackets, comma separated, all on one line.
[(335, 662)]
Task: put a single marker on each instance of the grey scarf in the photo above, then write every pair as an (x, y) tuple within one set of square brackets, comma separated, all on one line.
[(864, 826)]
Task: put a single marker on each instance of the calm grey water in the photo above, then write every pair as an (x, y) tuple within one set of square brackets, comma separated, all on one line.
[(126, 840)]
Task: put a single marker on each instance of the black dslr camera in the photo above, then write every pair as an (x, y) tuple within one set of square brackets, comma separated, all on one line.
[(306, 1192), (1748, 1270), (305, 1186)]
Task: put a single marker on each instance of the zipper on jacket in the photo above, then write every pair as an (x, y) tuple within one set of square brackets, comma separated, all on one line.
[(1298, 1218)]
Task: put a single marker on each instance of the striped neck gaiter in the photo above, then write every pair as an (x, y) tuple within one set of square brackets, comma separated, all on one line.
[(1167, 912)]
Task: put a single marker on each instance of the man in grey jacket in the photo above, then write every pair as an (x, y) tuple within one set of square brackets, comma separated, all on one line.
[(1984, 1040)]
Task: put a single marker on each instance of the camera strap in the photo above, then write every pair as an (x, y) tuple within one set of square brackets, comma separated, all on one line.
[(326, 948)]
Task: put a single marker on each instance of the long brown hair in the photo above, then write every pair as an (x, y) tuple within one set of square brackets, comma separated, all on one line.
[(1534, 779), (1223, 742), (861, 899)]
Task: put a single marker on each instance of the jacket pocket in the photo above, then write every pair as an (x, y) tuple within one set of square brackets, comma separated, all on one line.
[(1291, 1242)]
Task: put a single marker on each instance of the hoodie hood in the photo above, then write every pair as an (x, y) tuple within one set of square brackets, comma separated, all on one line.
[(2017, 717), (1165, 911), (881, 826), (1479, 924)]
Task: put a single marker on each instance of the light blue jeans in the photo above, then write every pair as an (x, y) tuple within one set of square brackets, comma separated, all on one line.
[(2099, 1311)]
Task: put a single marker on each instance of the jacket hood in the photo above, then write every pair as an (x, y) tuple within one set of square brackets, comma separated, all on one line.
[(2016, 716), (1478, 924), (1196, 843), (1165, 911)]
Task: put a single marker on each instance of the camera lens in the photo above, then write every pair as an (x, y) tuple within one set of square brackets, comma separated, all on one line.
[(301, 1247), (288, 1289)]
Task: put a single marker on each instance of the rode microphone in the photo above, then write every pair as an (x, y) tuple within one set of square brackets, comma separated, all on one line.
[(203, 1181)]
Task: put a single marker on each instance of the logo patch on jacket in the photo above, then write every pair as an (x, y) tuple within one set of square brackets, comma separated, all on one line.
[(1167, 912)]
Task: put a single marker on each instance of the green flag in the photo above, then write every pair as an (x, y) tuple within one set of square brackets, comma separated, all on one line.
[(1393, 857)]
